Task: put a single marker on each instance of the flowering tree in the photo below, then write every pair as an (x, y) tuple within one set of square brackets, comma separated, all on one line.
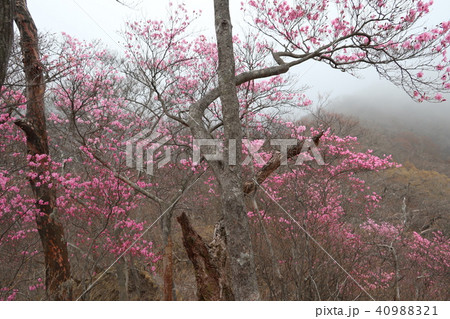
[(362, 33), (352, 35), (184, 87)]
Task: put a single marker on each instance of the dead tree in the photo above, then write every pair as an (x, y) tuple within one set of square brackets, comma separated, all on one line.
[(209, 261)]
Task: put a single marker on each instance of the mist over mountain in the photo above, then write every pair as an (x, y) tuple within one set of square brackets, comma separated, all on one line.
[(404, 124)]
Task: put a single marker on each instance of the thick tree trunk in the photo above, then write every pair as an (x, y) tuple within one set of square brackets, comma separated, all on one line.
[(51, 232), (6, 35), (239, 246), (209, 262)]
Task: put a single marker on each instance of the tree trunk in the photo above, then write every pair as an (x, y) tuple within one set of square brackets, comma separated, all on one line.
[(209, 262), (237, 228), (166, 228), (122, 279), (168, 270), (51, 232), (6, 35)]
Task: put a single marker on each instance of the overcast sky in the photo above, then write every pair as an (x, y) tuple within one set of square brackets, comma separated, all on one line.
[(103, 19)]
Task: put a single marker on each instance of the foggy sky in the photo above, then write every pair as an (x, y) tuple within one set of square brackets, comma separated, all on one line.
[(93, 19)]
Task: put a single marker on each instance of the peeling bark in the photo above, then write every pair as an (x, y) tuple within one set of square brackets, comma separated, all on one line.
[(209, 261), (6, 35), (51, 232)]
